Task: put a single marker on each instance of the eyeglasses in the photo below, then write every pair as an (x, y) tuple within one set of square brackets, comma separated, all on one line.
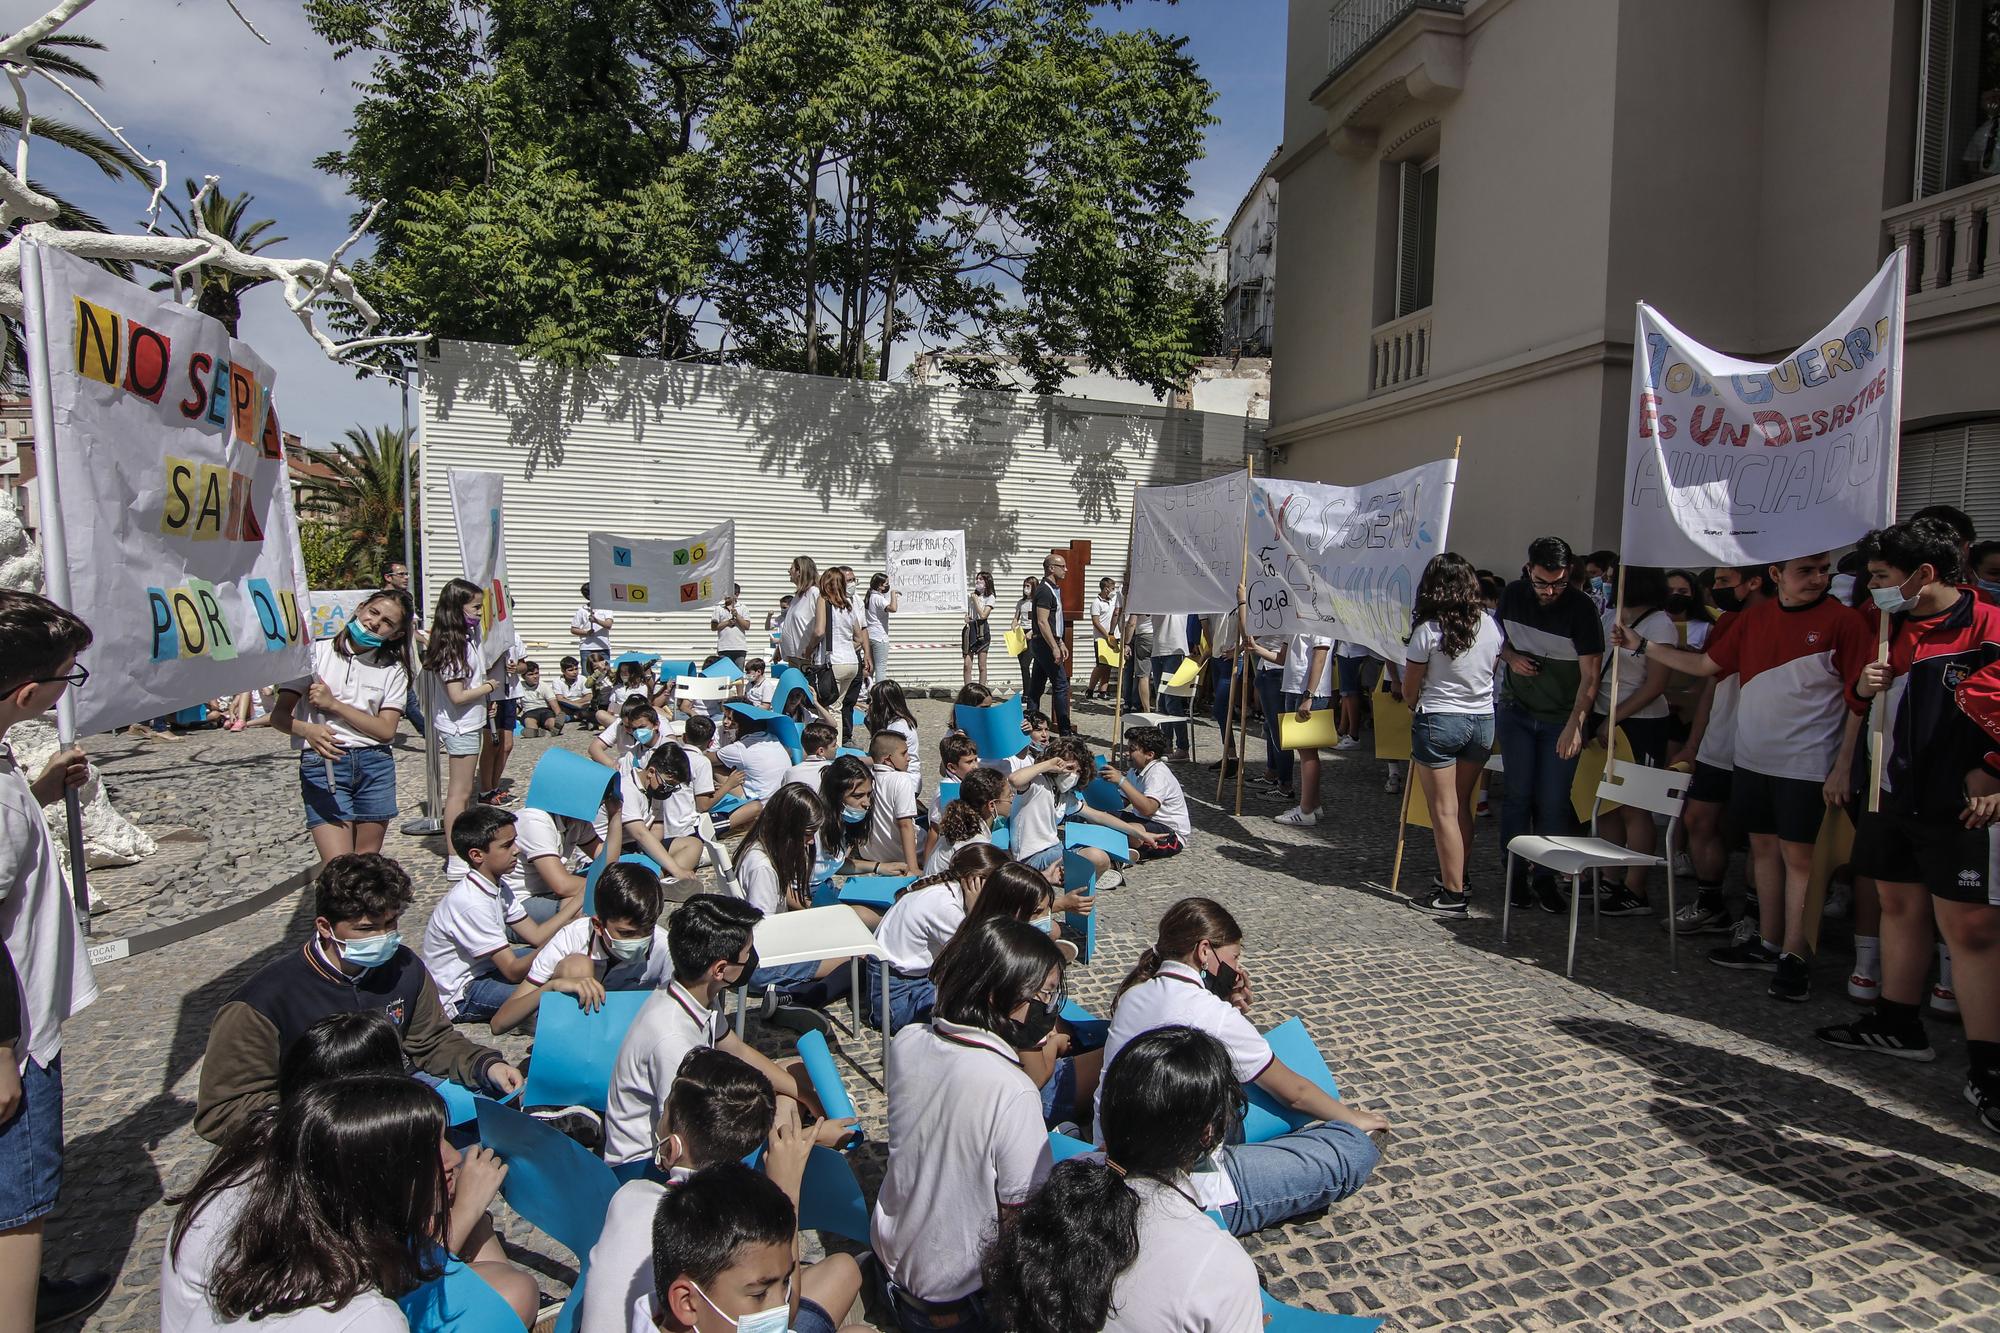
[(1052, 997), (74, 679), (1547, 585)]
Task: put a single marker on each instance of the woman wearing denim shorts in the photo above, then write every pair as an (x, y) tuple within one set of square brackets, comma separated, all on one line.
[(1448, 679)]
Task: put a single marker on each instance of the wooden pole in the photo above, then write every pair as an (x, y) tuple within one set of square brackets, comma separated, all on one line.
[(1246, 663), (1878, 720), (1610, 731), (1125, 645), (1228, 713)]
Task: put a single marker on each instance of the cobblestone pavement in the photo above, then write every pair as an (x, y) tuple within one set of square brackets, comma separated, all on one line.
[(1638, 1149)]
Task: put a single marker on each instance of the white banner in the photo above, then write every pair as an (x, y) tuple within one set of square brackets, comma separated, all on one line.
[(1344, 561), (647, 574), (327, 612), (1739, 463), (478, 508), (183, 551), (927, 571), (1187, 546)]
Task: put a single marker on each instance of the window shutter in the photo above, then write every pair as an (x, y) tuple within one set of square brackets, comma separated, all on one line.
[(1409, 243), (1934, 99), (1954, 465), (1982, 477)]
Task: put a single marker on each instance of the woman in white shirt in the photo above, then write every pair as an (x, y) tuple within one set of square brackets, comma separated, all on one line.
[(1448, 683), (730, 626), (1024, 619), (881, 603), (977, 637), (1641, 711), (262, 1241), (846, 646), (802, 627), (1121, 1243), (460, 696), (341, 722)]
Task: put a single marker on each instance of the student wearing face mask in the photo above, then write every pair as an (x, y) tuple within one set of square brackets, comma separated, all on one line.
[(967, 821), (774, 868), (1045, 794), (658, 809), (355, 960), (916, 929), (967, 1141), (1193, 976), (618, 947), (632, 736), (847, 788)]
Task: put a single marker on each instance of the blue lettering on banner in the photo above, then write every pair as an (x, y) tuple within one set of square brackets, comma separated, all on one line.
[(166, 639), (269, 619)]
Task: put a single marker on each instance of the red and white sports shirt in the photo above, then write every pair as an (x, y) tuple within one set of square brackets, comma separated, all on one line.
[(1794, 664)]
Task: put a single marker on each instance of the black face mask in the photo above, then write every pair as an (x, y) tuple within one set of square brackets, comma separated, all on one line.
[(1026, 1034), (749, 968), (1727, 599), (1679, 603), (1222, 982)]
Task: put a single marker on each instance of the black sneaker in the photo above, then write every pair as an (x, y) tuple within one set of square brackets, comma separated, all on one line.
[(579, 1123), (1700, 918), (1617, 900), (1550, 898), (1793, 979), (1443, 903), (1748, 956), (1872, 1034), (1984, 1094), (1437, 882), (58, 1299)]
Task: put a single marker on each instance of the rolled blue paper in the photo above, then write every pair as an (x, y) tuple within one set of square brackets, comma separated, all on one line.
[(996, 731), (723, 669), (787, 732), (825, 1076), (567, 783)]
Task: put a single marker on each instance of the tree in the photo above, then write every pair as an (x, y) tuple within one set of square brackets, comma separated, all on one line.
[(219, 293), (358, 511)]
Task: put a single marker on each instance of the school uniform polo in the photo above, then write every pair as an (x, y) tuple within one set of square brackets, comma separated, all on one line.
[(539, 834), (966, 1139), (595, 638), (1158, 781), (1189, 1273), (806, 773), (364, 680), (757, 877), (671, 1023), (895, 800), (764, 761), (580, 937), (1178, 997), (918, 925), (674, 813), (468, 925), (620, 1271), (1033, 817)]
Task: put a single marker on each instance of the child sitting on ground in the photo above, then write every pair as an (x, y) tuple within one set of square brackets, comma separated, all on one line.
[(571, 695), (1155, 816), (466, 948), (818, 740), (658, 811), (1045, 795), (635, 734), (760, 757), (618, 947), (967, 820), (536, 705), (759, 687)]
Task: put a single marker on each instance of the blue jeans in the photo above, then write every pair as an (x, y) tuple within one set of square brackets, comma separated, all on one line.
[(790, 979), (1059, 1093), (964, 1316), (483, 998), (1164, 665), (1300, 1172), (1043, 670), (1538, 783), (1225, 671), (1277, 760), (910, 998), (1442, 740), (31, 1147)]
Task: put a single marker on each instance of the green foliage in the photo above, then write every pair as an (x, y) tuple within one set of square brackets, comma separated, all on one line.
[(220, 294), (797, 184), (328, 556), (355, 517)]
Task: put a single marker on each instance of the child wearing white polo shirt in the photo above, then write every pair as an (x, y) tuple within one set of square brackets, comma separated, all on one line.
[(968, 820), (658, 809), (892, 818), (967, 1141), (466, 948), (634, 734), (1044, 795), (774, 873), (759, 756), (1192, 976), (552, 852), (1158, 1261), (1155, 816), (620, 946), (817, 739), (915, 930)]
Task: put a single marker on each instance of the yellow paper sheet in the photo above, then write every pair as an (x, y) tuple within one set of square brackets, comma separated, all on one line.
[(1590, 772), (1185, 673), (1392, 727), (1420, 809), (1830, 853), (1108, 655), (1316, 733), (1017, 642)]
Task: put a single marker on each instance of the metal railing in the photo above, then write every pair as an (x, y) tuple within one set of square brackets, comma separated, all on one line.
[(1400, 352), (1954, 238), (1353, 25)]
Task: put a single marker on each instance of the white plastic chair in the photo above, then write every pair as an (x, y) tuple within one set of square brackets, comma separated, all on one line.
[(1659, 790), (1164, 691), (813, 935), (703, 689), (716, 855)]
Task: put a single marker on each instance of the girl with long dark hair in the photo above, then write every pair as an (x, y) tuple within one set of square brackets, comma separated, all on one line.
[(1122, 1244), (846, 644), (888, 710), (1193, 975), (881, 602), (847, 788), (458, 709), (977, 636), (1448, 684), (774, 870), (342, 721), (917, 927)]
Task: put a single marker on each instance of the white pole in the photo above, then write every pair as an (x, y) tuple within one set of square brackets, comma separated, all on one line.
[(432, 820), (55, 547)]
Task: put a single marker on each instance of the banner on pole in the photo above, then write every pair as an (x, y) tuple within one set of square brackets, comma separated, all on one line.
[(478, 508), (654, 576), (174, 500), (1732, 462), (927, 571), (327, 612), (1345, 561), (1187, 546)]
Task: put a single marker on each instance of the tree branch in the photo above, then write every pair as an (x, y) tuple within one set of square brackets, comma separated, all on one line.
[(159, 188)]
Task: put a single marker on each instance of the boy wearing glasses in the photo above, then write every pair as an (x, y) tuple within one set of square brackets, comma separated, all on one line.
[(1554, 653)]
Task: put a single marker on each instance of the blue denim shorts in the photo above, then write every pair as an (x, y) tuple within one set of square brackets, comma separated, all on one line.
[(1043, 859), (461, 743), (363, 789), (1293, 702), (1357, 675), (1439, 740), (31, 1148)]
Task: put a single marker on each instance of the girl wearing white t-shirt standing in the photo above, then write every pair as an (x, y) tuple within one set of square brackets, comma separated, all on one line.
[(846, 645), (1024, 620), (881, 603), (341, 722), (459, 699), (1448, 683), (977, 636)]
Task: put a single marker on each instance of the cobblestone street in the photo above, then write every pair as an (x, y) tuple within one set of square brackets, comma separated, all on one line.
[(1638, 1149)]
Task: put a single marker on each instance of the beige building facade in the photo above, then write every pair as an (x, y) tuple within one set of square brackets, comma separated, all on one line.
[(1478, 191)]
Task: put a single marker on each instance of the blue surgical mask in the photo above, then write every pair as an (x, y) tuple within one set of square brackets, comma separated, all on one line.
[(1044, 923), (362, 637), (850, 815), (777, 1319), (370, 950), (643, 735), (629, 951), (1890, 601)]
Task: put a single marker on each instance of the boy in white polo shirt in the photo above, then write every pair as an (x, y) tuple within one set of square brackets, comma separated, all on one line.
[(760, 757), (892, 816), (818, 740), (1045, 795), (709, 940), (1155, 814), (466, 948)]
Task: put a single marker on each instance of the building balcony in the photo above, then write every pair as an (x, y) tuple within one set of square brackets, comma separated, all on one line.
[(1954, 245), (1356, 25), (1384, 54), (1400, 353)]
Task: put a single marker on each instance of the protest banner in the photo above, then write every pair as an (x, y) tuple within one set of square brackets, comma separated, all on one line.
[(1732, 462), (927, 571), (327, 612), (168, 522), (478, 508), (1187, 546), (1344, 561), (654, 576)]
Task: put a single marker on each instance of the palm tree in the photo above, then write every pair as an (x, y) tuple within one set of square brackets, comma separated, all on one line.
[(221, 294), (362, 502)]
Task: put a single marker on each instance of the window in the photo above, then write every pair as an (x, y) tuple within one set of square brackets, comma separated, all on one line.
[(1955, 465), (1416, 235), (1959, 121)]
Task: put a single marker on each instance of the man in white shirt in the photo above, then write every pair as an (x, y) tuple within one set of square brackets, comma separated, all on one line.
[(1103, 624), (1170, 649), (592, 628)]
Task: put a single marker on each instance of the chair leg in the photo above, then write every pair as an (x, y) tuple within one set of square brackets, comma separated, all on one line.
[(885, 1025), (854, 991), (742, 1010), (1507, 898), (1596, 897), (1673, 944), (1575, 919)]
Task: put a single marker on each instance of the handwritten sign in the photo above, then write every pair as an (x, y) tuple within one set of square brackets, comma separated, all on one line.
[(1734, 462), (184, 553), (646, 574), (1187, 546), (1344, 561), (927, 571), (477, 506), (327, 612)]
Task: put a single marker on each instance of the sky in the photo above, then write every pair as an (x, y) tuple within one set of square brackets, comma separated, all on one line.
[(188, 83)]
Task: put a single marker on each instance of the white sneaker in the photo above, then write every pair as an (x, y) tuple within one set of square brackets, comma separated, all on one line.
[(1348, 743), (1298, 818), (1944, 1002), (1393, 784), (1111, 879), (1864, 989)]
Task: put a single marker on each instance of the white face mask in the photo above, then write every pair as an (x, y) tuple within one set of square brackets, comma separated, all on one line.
[(1066, 783), (777, 1319)]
